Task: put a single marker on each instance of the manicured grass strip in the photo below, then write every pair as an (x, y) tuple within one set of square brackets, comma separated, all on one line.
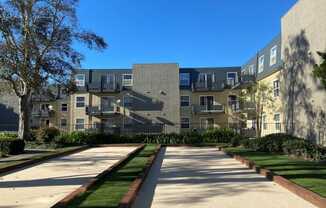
[(308, 174), (7, 164), (110, 192)]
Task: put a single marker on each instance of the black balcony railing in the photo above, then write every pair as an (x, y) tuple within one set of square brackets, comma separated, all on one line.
[(43, 113), (101, 111), (204, 86), (208, 108)]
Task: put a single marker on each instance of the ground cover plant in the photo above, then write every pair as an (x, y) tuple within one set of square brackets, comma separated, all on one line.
[(109, 192), (308, 174)]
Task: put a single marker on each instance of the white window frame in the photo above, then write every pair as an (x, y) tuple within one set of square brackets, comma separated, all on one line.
[(278, 88), (277, 122), (205, 78), (62, 107), (273, 55), (186, 123), (185, 101), (232, 83), (206, 123), (80, 102), (251, 69), (65, 126), (80, 83), (214, 103), (261, 63), (264, 121), (188, 81), (127, 82), (83, 124)]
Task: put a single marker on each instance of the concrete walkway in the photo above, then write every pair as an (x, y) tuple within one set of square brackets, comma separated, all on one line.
[(43, 185), (206, 178)]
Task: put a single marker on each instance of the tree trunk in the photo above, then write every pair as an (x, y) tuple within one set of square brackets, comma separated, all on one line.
[(24, 116)]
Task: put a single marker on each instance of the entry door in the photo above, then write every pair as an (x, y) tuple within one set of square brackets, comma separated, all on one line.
[(207, 101), (209, 80)]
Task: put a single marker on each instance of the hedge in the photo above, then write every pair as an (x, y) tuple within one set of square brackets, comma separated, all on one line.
[(11, 146), (286, 144), (88, 138)]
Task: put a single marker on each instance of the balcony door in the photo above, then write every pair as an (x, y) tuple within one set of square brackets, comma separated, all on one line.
[(107, 104), (207, 102), (206, 80)]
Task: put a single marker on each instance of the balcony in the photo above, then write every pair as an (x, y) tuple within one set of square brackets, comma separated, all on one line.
[(234, 106), (110, 87), (208, 109), (94, 87), (102, 111), (204, 86), (246, 81), (43, 113)]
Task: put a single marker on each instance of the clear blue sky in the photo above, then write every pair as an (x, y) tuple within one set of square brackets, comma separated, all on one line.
[(192, 33)]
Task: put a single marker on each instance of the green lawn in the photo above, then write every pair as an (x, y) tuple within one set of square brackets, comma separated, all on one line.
[(311, 175), (109, 192), (12, 162)]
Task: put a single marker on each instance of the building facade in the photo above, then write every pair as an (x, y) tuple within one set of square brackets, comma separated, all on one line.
[(154, 98), (164, 98)]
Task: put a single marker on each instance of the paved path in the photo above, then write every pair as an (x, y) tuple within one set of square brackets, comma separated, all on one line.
[(206, 178), (43, 185)]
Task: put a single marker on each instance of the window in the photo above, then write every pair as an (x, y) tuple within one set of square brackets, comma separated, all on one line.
[(80, 124), (264, 118), (277, 119), (184, 79), (64, 107), (261, 63), (273, 56), (232, 78), (80, 80), (276, 88), (185, 101), (251, 70), (63, 123), (80, 102), (207, 123), (185, 123), (127, 80), (202, 78), (206, 100)]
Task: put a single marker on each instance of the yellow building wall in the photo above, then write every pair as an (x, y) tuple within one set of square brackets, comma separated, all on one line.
[(276, 107)]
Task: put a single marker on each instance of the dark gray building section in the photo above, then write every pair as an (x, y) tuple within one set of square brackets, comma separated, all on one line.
[(266, 52), (158, 83), (9, 112)]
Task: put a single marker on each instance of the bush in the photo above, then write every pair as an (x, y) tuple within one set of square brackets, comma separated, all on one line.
[(287, 144), (4, 135), (11, 146), (222, 135), (47, 135)]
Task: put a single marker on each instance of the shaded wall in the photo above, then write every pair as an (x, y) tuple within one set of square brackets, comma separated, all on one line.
[(303, 34)]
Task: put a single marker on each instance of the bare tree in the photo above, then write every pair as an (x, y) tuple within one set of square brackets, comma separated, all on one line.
[(36, 38)]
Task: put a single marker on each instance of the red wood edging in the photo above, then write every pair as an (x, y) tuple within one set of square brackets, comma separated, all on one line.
[(130, 196), (65, 201), (6, 170), (300, 191)]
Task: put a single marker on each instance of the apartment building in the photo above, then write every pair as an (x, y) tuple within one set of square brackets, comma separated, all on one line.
[(286, 65), (266, 66), (155, 98)]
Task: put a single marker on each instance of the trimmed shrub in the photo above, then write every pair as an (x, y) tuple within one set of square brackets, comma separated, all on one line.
[(287, 144), (11, 146), (220, 135), (47, 135)]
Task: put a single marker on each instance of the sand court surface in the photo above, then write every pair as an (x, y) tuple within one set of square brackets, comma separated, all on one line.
[(43, 185), (188, 177)]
